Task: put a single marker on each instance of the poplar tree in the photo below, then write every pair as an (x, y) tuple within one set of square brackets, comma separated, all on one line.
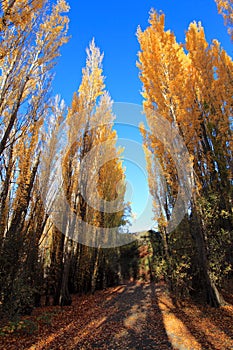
[(192, 90), (89, 176), (31, 37)]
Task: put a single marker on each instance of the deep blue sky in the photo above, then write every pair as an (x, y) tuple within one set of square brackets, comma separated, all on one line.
[(113, 24)]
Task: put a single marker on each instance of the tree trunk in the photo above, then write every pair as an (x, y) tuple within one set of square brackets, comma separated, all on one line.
[(65, 298), (167, 256), (212, 295), (119, 269), (5, 194), (13, 117), (95, 270), (57, 264)]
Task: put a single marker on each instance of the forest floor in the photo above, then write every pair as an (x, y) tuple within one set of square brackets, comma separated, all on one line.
[(133, 316)]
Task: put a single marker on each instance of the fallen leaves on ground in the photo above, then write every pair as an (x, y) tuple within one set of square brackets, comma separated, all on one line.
[(133, 316)]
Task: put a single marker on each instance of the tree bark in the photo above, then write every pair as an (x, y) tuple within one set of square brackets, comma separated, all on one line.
[(212, 295), (65, 298), (95, 270)]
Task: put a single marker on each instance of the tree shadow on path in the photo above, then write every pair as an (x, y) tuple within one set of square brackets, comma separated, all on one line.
[(134, 321), (119, 318)]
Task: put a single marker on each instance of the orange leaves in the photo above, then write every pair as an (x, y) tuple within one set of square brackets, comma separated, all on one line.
[(161, 62), (29, 52), (52, 33), (195, 326), (96, 160), (225, 8), (142, 316), (19, 12), (193, 90), (92, 84)]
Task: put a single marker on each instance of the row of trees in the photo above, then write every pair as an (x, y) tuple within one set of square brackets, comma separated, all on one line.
[(190, 86), (39, 136), (62, 181)]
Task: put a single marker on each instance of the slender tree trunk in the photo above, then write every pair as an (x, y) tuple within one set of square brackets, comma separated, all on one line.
[(6, 135), (212, 295), (65, 298), (119, 269), (58, 265), (167, 256), (95, 270), (4, 196)]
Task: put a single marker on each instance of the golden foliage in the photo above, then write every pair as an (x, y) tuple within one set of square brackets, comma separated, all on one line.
[(225, 8), (191, 86)]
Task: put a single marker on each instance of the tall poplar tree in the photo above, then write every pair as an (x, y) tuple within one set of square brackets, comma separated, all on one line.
[(193, 91), (31, 37), (90, 178)]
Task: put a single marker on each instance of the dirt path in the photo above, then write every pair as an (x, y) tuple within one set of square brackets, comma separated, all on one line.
[(126, 318), (134, 316)]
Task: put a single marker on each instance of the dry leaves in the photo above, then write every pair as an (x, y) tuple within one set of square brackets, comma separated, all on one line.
[(132, 316)]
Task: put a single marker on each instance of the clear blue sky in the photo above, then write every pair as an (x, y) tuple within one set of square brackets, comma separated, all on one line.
[(113, 24)]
